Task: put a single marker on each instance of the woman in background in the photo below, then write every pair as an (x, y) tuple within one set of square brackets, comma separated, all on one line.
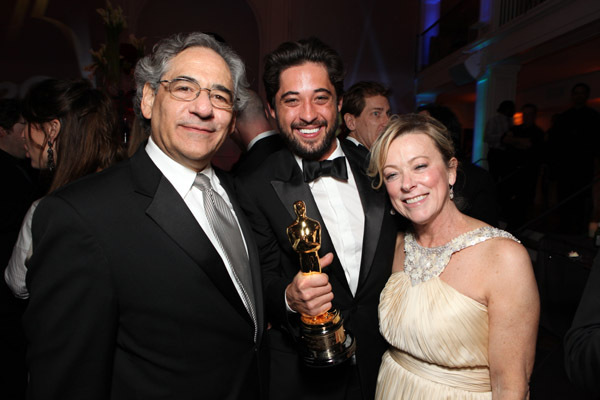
[(71, 132), (460, 310)]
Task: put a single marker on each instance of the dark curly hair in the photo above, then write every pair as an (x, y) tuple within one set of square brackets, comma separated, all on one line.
[(291, 54)]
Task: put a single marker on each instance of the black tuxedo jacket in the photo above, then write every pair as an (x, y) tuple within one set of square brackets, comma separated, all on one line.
[(130, 300), (262, 149), (359, 151), (267, 196)]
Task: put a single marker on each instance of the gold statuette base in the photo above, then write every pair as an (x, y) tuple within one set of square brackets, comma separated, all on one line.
[(327, 344)]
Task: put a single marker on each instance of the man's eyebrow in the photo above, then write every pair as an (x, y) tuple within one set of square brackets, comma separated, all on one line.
[(294, 93), (222, 88), (187, 78), (289, 93), (321, 90), (217, 86)]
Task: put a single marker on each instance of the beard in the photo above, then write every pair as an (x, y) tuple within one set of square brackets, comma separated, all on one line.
[(309, 151)]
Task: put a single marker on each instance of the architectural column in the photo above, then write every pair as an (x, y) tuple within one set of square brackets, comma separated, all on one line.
[(498, 83)]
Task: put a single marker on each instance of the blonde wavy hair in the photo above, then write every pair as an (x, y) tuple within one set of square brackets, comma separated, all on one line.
[(403, 124)]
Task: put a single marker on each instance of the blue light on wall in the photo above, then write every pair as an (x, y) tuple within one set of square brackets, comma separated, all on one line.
[(430, 14), (485, 11), (425, 98), (479, 128)]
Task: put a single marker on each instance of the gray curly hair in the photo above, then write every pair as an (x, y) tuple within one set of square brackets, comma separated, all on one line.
[(151, 68)]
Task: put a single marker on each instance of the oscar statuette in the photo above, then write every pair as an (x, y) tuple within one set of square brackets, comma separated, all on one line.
[(324, 342)]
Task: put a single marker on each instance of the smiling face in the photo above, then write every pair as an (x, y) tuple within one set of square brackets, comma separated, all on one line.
[(190, 132), (372, 120), (417, 178), (306, 110)]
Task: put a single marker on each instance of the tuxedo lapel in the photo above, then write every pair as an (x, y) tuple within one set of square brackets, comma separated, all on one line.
[(290, 187), (373, 203), (172, 215)]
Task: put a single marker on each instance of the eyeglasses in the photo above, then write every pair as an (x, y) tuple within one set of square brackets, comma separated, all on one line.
[(188, 90)]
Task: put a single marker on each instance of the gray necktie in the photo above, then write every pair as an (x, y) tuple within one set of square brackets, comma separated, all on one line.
[(227, 232)]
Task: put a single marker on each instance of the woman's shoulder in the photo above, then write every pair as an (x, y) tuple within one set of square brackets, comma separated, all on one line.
[(491, 245), (505, 255)]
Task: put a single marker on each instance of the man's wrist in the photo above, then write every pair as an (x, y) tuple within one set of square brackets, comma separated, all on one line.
[(287, 305)]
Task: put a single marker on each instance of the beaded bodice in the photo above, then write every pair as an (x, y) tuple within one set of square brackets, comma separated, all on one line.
[(423, 263)]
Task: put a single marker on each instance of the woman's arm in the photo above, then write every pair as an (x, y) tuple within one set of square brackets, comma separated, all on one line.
[(514, 309)]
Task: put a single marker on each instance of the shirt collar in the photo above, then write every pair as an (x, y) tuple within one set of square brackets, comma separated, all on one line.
[(182, 178), (355, 141)]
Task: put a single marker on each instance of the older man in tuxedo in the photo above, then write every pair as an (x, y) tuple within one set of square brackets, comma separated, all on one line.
[(304, 83), (144, 279)]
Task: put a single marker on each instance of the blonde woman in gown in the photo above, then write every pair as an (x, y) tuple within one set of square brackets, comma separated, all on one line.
[(461, 308)]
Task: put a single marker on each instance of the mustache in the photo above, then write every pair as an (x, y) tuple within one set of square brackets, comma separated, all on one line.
[(300, 125)]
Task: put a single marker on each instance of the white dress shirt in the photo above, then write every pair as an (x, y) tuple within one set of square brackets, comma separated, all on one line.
[(182, 179), (342, 211)]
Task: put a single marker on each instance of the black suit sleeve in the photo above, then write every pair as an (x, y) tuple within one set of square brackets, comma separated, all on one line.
[(274, 281), (71, 318), (582, 342)]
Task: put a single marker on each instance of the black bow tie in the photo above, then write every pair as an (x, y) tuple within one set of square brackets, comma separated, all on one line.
[(335, 168)]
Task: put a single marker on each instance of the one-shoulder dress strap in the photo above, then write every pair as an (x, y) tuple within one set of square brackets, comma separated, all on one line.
[(423, 263), (479, 235)]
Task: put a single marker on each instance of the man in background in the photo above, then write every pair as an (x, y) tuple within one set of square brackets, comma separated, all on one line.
[(495, 129), (365, 112), (254, 135), (574, 142)]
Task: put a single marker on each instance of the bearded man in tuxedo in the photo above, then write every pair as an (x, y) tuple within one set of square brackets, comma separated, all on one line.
[(304, 83)]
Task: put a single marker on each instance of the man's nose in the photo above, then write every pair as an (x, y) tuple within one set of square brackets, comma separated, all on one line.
[(308, 112), (202, 105)]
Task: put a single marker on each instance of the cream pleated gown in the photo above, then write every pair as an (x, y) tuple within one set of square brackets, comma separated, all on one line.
[(438, 337)]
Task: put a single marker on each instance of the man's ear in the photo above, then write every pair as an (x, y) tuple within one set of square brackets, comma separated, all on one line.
[(3, 132), (350, 121), (272, 112), (232, 125), (148, 96), (53, 129)]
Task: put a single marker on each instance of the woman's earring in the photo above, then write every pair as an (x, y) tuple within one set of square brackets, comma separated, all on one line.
[(50, 162), (451, 192)]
